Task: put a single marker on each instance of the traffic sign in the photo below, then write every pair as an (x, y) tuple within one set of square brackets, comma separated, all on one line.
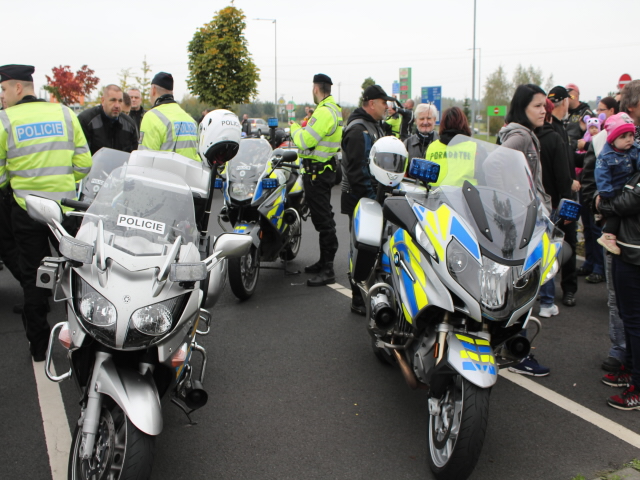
[(497, 111), (433, 95), (291, 106), (624, 79), (281, 101)]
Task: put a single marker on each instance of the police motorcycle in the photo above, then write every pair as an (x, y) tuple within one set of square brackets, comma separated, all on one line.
[(264, 199), (132, 281), (449, 274)]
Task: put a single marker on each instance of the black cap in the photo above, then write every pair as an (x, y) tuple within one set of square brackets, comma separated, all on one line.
[(322, 78), (16, 72), (557, 94), (376, 91), (163, 80)]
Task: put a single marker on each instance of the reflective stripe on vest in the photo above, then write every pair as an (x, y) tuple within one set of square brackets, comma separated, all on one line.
[(324, 148), (171, 145)]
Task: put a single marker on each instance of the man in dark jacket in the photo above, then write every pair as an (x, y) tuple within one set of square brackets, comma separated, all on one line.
[(362, 130), (137, 110), (104, 126), (574, 124)]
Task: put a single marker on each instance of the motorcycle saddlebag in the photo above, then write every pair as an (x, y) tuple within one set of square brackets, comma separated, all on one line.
[(366, 238)]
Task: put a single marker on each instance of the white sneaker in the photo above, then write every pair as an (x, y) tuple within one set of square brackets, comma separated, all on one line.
[(547, 312)]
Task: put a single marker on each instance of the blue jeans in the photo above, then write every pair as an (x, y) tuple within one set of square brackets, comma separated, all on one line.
[(626, 281), (616, 328), (548, 293), (593, 251)]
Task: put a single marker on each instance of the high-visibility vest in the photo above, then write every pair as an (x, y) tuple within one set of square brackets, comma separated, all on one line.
[(320, 139), (395, 123), (43, 151), (457, 163), (168, 128)]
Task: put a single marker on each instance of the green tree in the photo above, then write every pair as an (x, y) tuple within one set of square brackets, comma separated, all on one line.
[(527, 75), (144, 83), (125, 76), (367, 83), (193, 106), (497, 91), (221, 70)]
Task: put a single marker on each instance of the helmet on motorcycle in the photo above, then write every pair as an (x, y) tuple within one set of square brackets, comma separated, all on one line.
[(220, 133), (388, 161)]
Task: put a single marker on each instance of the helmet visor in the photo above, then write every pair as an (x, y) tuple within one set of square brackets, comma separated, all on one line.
[(390, 162)]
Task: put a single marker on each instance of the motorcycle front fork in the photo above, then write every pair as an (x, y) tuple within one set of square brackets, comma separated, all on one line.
[(91, 415)]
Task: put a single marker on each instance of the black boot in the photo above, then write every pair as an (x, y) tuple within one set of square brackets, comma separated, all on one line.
[(315, 268), (324, 277)]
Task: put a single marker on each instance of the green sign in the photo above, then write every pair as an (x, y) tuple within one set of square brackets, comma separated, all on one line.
[(405, 84), (497, 111)]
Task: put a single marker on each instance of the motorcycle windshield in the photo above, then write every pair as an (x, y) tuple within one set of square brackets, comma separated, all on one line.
[(104, 162), (492, 188), (143, 211), (250, 161)]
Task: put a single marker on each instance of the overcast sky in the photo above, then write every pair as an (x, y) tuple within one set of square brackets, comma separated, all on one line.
[(587, 42)]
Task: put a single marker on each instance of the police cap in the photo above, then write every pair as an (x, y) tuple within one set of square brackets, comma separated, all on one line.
[(163, 80), (376, 91), (322, 78), (557, 94), (16, 72)]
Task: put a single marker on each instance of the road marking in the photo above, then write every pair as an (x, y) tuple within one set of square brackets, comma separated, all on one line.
[(565, 403), (570, 406), (54, 421)]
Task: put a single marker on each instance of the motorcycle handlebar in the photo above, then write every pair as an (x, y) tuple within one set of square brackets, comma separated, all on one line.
[(68, 202), (398, 193), (290, 165)]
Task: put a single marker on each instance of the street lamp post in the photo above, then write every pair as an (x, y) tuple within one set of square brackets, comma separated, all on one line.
[(275, 44), (473, 88)]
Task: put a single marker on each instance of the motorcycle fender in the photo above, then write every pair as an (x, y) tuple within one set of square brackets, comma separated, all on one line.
[(251, 229), (136, 394), (217, 281), (472, 357)]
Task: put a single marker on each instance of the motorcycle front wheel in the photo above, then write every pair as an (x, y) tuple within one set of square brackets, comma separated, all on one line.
[(456, 433), (243, 273), (295, 239), (121, 451)]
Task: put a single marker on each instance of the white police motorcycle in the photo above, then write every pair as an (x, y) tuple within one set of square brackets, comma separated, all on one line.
[(449, 273)]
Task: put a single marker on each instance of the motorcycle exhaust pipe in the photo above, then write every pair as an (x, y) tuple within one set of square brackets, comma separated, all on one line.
[(383, 315), (290, 216), (518, 347), (196, 397), (408, 375)]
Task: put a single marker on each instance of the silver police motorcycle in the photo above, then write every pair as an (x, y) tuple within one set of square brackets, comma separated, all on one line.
[(450, 273), (132, 280)]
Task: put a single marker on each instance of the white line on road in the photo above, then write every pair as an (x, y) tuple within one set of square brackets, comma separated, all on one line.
[(54, 420), (565, 403)]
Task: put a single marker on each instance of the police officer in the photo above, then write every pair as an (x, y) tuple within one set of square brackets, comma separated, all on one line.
[(319, 142), (43, 151), (167, 127)]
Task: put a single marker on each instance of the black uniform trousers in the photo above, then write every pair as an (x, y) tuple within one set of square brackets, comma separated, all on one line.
[(8, 247), (32, 239), (569, 283), (317, 193)]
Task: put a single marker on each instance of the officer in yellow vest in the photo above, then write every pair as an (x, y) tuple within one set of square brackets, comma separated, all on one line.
[(394, 120), (319, 142), (43, 151), (167, 127)]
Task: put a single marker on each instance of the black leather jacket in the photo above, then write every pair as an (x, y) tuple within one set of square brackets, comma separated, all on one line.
[(627, 206)]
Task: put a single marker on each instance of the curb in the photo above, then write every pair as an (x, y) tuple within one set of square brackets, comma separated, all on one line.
[(624, 474)]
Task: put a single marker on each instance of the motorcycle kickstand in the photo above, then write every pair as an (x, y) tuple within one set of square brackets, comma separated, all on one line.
[(184, 409)]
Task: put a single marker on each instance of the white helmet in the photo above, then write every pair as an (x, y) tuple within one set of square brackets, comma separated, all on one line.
[(220, 133), (388, 161)]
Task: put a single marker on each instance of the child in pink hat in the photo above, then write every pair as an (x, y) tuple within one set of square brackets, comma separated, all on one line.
[(617, 161)]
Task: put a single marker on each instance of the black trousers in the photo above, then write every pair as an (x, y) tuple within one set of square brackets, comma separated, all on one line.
[(569, 281), (32, 240), (318, 196), (8, 247)]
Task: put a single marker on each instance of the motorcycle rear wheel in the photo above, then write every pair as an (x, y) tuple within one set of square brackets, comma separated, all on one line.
[(293, 247), (243, 274), (456, 435), (121, 451)]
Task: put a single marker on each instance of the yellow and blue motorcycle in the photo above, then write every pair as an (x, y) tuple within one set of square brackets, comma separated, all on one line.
[(449, 271), (263, 198)]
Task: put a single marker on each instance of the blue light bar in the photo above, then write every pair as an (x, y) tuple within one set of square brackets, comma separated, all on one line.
[(272, 122), (268, 183), (218, 184), (424, 170), (568, 210)]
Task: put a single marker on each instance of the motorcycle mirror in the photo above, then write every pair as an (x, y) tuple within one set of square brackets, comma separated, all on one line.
[(569, 210), (44, 210), (231, 245), (289, 156), (424, 170)]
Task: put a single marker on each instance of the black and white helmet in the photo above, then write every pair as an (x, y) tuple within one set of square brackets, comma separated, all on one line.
[(220, 133), (388, 161)]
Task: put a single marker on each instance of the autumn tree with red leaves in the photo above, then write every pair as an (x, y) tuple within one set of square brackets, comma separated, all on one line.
[(68, 87)]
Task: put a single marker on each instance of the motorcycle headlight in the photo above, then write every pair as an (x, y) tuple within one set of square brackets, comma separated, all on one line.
[(153, 319), (464, 268), (242, 191), (552, 273), (494, 283), (96, 314)]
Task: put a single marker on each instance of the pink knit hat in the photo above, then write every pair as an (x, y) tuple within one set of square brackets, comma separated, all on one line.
[(618, 124)]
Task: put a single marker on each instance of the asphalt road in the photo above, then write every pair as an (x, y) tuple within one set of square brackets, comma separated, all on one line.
[(296, 393)]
